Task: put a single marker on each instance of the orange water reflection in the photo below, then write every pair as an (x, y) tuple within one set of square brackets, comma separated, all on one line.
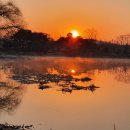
[(80, 110)]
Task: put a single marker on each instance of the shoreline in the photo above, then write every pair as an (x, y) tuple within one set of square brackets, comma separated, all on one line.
[(20, 55), (7, 126)]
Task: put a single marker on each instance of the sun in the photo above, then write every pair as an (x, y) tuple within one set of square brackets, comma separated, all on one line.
[(73, 71), (75, 33)]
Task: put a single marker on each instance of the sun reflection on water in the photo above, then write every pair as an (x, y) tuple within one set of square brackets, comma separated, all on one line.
[(73, 71)]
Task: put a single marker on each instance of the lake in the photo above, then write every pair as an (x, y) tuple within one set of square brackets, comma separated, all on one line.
[(59, 93)]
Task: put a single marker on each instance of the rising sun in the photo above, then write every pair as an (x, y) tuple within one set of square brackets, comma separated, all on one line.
[(75, 33)]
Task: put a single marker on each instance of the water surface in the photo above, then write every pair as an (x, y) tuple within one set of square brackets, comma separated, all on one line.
[(23, 101)]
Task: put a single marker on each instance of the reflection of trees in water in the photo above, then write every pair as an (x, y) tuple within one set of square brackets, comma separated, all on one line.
[(10, 91), (24, 74), (122, 74), (36, 70), (64, 65), (10, 98)]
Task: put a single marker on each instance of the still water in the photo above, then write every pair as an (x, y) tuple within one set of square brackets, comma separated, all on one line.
[(61, 93)]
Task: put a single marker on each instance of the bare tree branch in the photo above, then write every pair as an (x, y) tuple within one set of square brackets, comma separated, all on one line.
[(10, 17)]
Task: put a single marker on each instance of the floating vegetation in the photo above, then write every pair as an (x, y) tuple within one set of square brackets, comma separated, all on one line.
[(92, 87), (64, 90), (42, 78), (67, 82), (86, 79), (6, 126), (44, 87), (72, 87)]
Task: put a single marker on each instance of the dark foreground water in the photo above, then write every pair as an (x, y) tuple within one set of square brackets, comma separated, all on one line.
[(65, 93)]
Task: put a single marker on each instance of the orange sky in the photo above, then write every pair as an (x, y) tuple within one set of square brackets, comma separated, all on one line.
[(57, 17)]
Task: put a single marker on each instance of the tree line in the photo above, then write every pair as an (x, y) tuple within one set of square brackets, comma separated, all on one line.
[(15, 38)]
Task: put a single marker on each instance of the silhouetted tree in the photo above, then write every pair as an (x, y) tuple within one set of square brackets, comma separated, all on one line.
[(123, 39), (68, 45), (28, 35), (10, 18), (26, 40)]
